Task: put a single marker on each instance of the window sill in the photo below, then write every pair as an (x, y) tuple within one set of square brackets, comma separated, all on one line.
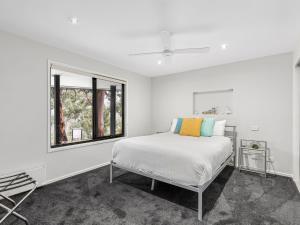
[(82, 145)]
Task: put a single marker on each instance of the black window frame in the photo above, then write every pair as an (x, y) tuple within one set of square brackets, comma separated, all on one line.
[(95, 138)]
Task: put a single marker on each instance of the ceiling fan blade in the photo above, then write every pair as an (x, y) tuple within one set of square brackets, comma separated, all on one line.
[(166, 39), (145, 53), (191, 50)]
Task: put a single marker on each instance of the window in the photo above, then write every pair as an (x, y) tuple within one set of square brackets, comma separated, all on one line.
[(84, 107)]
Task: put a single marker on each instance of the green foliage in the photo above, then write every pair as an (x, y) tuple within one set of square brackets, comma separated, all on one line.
[(77, 109), (106, 113), (118, 112), (78, 112)]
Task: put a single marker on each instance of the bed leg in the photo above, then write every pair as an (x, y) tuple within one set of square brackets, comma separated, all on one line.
[(200, 204), (152, 185), (111, 172)]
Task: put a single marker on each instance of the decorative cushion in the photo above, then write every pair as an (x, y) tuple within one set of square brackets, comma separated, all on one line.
[(219, 128), (178, 126), (173, 125), (191, 127), (207, 127)]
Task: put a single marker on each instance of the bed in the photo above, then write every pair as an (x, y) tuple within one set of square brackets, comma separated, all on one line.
[(188, 162)]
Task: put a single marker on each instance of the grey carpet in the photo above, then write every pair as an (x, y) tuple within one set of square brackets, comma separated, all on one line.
[(233, 198)]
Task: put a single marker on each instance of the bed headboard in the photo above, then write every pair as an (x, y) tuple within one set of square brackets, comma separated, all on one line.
[(230, 131)]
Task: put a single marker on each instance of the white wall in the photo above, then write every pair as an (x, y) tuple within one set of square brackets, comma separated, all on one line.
[(264, 84), (23, 115), (262, 96), (296, 118)]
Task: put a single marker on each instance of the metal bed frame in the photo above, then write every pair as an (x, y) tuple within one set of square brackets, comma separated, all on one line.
[(13, 182), (230, 131)]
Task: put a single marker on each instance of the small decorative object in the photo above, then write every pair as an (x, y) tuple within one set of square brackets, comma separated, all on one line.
[(254, 145), (76, 134), (218, 110), (211, 111), (227, 110)]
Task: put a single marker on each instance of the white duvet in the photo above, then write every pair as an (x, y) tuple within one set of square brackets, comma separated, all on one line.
[(184, 159)]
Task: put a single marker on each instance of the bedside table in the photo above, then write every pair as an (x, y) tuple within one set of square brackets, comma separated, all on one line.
[(253, 147)]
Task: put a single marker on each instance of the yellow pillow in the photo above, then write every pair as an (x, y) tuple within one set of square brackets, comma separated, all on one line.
[(191, 127)]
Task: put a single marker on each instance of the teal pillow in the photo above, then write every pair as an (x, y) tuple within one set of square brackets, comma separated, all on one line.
[(178, 125), (207, 127)]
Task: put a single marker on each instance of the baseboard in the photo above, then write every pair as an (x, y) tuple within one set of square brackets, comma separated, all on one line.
[(297, 182), (272, 172), (75, 173), (280, 173)]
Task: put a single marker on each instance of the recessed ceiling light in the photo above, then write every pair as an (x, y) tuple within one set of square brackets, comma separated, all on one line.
[(74, 20), (159, 62), (224, 46)]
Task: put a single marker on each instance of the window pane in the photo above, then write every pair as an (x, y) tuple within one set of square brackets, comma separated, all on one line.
[(76, 107), (103, 107), (109, 108), (119, 110), (72, 105), (52, 125)]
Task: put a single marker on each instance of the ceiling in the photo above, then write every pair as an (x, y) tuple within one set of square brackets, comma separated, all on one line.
[(109, 30)]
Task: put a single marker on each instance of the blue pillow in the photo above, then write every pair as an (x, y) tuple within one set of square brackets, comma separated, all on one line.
[(207, 127), (178, 125)]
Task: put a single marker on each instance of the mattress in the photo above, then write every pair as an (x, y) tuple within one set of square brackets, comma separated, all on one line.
[(183, 159)]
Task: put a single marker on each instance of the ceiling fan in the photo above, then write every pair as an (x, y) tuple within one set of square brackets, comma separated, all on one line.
[(167, 52)]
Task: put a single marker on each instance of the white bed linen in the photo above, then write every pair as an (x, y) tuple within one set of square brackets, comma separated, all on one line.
[(184, 159)]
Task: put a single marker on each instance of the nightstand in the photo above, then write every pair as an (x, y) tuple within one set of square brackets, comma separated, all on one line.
[(253, 147)]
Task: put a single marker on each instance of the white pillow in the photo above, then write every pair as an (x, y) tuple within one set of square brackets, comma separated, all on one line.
[(173, 125), (219, 128)]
